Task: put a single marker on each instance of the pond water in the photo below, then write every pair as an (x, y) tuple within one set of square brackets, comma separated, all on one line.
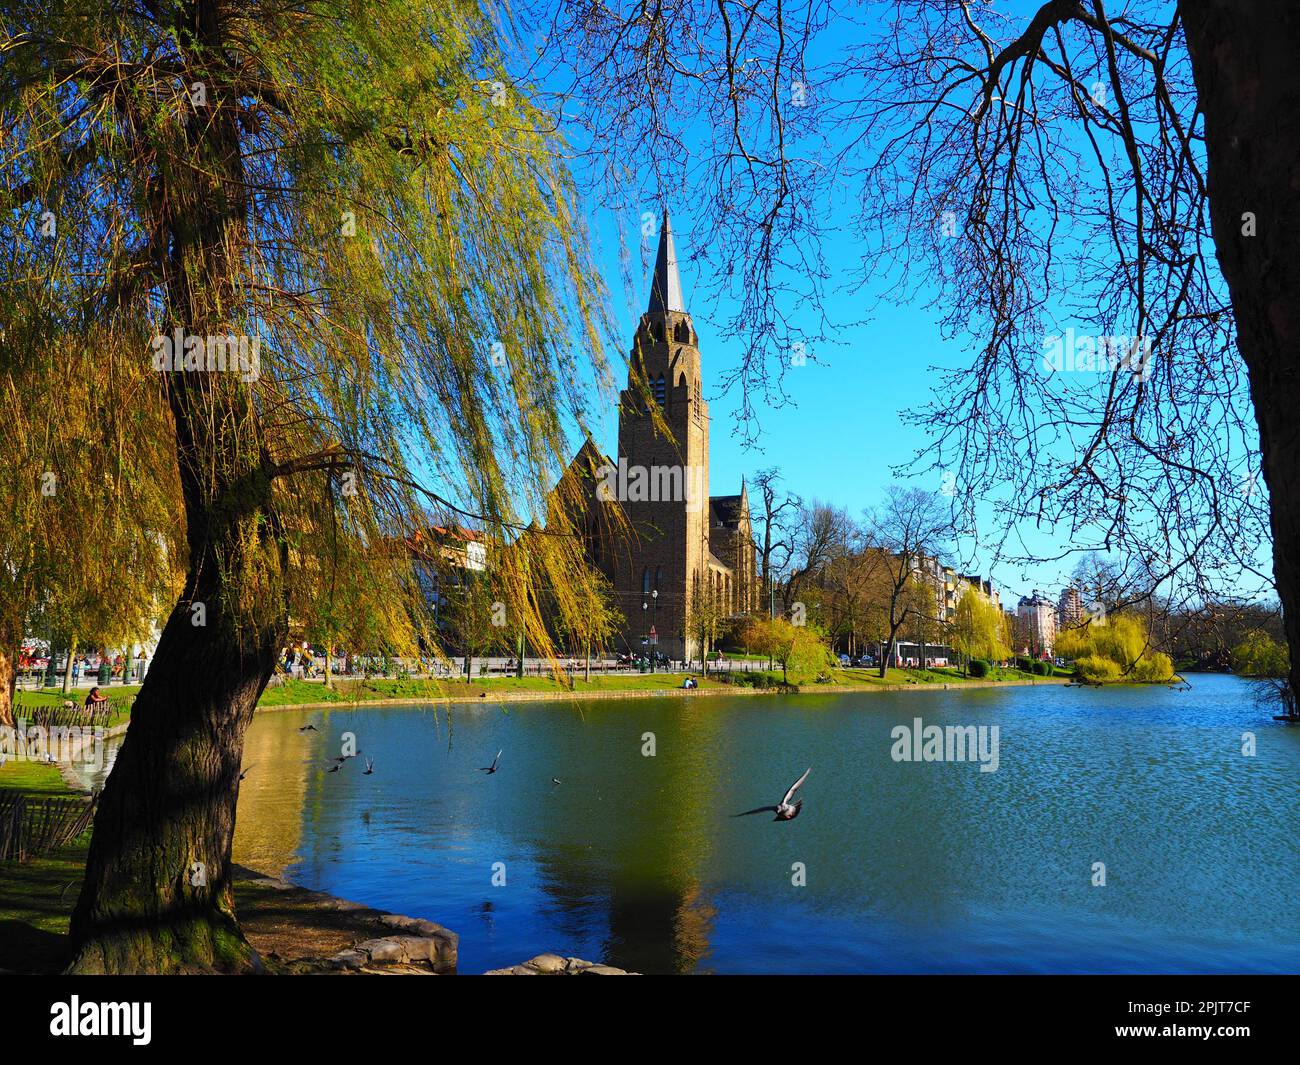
[(919, 866)]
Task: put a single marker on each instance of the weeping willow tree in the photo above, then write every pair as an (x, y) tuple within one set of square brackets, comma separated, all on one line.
[(90, 548), (335, 254)]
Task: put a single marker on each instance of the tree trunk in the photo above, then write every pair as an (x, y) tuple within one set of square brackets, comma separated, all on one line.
[(8, 680), (157, 894), (67, 667), (329, 667), (1243, 61)]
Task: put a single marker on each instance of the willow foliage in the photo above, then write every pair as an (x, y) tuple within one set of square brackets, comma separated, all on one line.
[(401, 254)]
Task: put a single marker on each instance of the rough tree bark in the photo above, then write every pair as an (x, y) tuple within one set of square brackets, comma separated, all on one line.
[(1243, 60), (8, 678), (157, 894)]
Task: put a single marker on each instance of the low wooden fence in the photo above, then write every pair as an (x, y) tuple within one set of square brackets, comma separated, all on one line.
[(33, 825), (75, 715)]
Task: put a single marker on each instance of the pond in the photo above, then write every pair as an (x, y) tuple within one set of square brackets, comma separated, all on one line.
[(636, 859)]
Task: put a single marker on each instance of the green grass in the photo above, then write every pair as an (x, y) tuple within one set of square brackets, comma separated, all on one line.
[(119, 698), (36, 897), (33, 778), (297, 692)]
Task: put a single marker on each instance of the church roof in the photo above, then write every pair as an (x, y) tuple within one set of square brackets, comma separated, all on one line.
[(666, 284), (725, 509)]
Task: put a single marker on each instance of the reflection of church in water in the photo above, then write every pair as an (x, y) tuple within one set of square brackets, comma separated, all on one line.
[(680, 547)]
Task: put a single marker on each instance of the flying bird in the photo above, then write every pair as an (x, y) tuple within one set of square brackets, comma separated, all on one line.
[(493, 767), (556, 780), (244, 772), (334, 769), (370, 767), (308, 728), (784, 810)]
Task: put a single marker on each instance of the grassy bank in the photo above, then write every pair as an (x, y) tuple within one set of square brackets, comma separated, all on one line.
[(304, 693), (36, 897)]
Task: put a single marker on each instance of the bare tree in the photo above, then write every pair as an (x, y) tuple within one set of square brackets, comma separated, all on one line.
[(909, 530), (776, 513), (1105, 198), (1112, 180), (824, 533)]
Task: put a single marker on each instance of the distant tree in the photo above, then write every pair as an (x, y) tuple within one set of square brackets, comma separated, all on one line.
[(824, 533), (1118, 648), (978, 628), (910, 528), (1258, 655), (775, 516), (798, 649)]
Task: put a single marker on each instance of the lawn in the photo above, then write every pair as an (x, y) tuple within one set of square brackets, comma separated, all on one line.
[(296, 692), (36, 897), (120, 698)]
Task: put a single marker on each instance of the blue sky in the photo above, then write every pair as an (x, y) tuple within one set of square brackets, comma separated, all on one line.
[(841, 434), (840, 437)]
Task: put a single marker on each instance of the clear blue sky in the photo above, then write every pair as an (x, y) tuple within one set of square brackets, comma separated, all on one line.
[(840, 437), (841, 434)]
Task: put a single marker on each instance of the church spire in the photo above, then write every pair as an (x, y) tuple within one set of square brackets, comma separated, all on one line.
[(665, 284)]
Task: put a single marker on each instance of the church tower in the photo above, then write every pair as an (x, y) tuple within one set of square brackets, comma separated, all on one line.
[(666, 496)]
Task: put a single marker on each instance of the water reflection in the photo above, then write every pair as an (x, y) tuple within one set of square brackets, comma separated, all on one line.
[(637, 861)]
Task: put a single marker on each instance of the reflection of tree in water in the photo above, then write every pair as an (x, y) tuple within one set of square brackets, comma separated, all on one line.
[(273, 796), (644, 855)]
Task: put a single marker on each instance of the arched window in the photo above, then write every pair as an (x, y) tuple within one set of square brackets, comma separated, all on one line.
[(645, 581)]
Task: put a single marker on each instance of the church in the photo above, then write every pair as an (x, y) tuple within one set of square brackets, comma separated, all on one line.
[(679, 555)]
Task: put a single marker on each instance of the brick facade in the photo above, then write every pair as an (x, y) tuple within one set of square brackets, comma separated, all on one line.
[(676, 538)]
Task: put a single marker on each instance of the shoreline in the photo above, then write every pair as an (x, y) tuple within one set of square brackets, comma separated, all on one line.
[(482, 696)]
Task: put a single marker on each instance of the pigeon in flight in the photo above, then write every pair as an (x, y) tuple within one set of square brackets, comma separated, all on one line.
[(244, 772), (556, 780), (493, 767), (334, 768), (370, 767), (308, 728), (784, 810)]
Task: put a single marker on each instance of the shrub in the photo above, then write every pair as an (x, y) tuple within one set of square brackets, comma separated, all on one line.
[(979, 668), (755, 678), (1258, 655), (1156, 667), (1094, 667)]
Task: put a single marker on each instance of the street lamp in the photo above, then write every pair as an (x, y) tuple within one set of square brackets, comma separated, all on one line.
[(645, 616), (654, 620)]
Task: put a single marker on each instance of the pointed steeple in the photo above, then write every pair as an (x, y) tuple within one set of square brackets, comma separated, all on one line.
[(665, 284)]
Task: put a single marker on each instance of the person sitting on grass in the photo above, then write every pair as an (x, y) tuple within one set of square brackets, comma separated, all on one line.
[(95, 699)]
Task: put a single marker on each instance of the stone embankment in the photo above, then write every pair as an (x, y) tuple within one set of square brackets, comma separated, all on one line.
[(297, 931), (554, 965)]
